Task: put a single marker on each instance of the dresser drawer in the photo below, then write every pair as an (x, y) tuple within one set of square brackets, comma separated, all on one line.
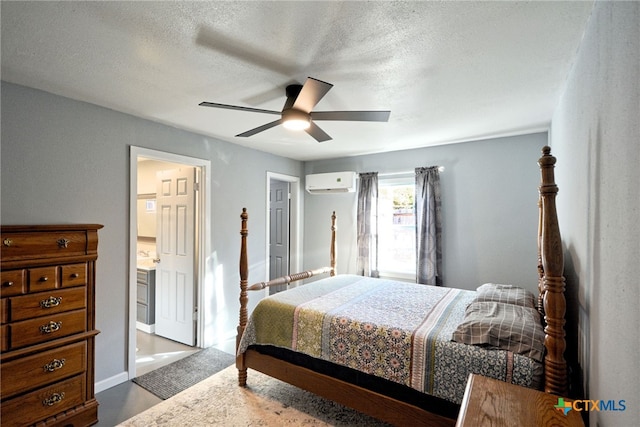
[(31, 372), (4, 310), (43, 278), (44, 402), (46, 328), (39, 244), (12, 282), (46, 303), (4, 338), (74, 275)]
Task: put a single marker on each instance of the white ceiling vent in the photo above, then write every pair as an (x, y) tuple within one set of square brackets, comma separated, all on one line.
[(333, 182)]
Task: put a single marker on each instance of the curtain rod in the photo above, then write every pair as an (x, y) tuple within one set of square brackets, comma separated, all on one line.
[(440, 169)]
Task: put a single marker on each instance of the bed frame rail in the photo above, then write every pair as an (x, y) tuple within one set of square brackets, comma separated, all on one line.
[(290, 278)]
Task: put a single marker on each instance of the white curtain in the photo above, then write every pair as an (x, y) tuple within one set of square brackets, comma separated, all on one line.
[(367, 263), (428, 227)]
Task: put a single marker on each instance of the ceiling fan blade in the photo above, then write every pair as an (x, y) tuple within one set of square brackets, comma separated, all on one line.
[(356, 116), (311, 93), (317, 133), (260, 128), (237, 107)]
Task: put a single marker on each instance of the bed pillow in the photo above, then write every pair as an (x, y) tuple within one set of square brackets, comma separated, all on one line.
[(505, 326), (507, 294)]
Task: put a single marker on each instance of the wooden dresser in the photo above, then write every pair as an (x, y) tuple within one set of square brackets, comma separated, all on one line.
[(47, 335), (489, 402)]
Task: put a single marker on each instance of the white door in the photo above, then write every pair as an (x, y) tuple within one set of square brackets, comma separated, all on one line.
[(279, 232), (175, 244)]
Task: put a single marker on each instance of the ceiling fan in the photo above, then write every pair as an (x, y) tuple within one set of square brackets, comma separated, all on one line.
[(296, 113)]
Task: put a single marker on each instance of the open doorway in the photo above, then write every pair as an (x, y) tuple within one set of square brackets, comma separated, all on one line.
[(283, 230), (168, 242)]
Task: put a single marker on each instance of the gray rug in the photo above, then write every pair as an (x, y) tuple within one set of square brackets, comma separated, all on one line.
[(171, 379)]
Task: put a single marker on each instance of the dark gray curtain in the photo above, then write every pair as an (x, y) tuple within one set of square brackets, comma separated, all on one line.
[(367, 238), (428, 227)]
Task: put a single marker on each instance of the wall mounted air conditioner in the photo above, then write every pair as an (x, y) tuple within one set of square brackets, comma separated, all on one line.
[(333, 182)]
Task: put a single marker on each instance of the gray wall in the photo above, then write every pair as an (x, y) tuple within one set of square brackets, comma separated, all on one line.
[(489, 208), (67, 161), (595, 133)]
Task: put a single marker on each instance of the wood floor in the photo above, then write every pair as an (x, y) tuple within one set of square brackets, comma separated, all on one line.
[(125, 400)]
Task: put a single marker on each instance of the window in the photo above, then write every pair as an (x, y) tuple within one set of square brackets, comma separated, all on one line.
[(397, 227)]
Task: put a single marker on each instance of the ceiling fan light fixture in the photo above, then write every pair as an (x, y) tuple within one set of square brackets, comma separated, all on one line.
[(296, 124), (295, 119), (298, 114)]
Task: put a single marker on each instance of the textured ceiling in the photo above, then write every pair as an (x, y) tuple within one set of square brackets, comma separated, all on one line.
[(448, 71)]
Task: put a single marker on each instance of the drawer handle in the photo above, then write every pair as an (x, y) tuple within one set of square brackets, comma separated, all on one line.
[(53, 399), (75, 275), (54, 365), (7, 284), (7, 242), (43, 279), (63, 243), (51, 302), (50, 327)]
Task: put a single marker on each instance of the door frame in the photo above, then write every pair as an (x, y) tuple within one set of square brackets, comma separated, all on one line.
[(295, 238), (202, 238)]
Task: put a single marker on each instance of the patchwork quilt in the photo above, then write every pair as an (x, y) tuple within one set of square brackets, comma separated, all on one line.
[(394, 330)]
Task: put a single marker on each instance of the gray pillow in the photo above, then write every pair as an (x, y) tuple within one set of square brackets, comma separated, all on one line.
[(505, 326), (507, 294)]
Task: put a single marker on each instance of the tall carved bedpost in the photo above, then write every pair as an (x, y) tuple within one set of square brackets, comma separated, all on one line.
[(333, 244), (244, 299), (553, 284), (540, 268)]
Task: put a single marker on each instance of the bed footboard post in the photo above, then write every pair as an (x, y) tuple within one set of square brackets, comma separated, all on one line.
[(553, 283), (540, 302), (333, 244), (244, 299)]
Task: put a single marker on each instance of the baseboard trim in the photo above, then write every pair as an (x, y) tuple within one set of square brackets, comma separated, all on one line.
[(111, 382), (150, 329)]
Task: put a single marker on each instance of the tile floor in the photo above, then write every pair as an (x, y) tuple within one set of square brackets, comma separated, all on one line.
[(154, 351), (125, 400)]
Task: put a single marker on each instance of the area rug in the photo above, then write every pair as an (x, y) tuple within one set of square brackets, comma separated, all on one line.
[(169, 380), (266, 401)]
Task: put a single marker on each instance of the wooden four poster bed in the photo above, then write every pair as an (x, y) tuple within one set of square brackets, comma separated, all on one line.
[(424, 370)]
